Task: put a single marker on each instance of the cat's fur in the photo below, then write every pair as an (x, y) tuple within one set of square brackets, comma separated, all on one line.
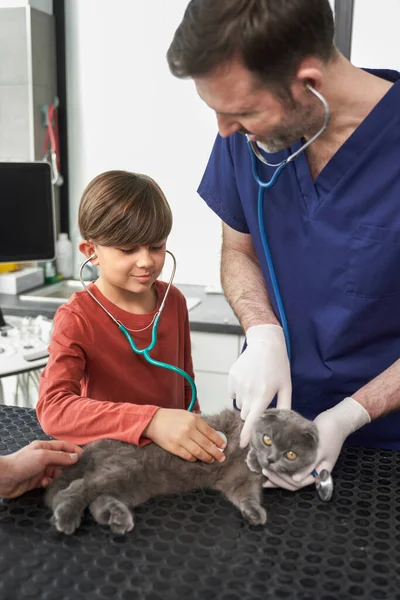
[(112, 476)]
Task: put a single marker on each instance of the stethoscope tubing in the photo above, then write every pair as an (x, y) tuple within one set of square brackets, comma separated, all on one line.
[(265, 185), (324, 481)]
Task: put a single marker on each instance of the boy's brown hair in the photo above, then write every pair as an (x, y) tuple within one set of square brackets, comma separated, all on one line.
[(124, 210)]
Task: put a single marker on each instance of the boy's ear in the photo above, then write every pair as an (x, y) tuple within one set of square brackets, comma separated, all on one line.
[(88, 249)]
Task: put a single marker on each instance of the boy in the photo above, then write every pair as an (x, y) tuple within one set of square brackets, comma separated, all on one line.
[(94, 385)]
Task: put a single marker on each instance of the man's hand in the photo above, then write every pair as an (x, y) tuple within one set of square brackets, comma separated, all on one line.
[(260, 373), (186, 435), (35, 466), (334, 426)]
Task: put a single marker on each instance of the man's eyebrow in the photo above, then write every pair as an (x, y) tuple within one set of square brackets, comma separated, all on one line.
[(243, 113)]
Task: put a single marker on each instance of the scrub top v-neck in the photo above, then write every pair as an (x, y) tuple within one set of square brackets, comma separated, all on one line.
[(335, 244)]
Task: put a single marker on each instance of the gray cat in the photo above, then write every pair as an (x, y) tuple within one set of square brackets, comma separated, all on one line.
[(111, 477)]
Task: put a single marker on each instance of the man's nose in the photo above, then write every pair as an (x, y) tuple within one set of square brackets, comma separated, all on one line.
[(227, 126)]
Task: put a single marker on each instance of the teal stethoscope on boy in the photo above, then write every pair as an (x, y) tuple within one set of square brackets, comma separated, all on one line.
[(154, 322)]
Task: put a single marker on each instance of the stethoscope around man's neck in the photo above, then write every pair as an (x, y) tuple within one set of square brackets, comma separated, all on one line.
[(323, 480), (265, 185)]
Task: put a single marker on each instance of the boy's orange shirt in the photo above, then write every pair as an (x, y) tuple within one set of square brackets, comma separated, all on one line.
[(94, 386)]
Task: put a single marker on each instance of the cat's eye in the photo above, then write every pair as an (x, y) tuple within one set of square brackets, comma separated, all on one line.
[(290, 455), (267, 440)]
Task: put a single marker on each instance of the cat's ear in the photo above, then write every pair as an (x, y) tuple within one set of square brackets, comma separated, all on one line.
[(270, 414), (312, 434)]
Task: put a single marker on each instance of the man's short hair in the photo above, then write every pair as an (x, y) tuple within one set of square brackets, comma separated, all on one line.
[(270, 37)]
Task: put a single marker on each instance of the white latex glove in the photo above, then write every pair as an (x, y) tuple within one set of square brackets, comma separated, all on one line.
[(260, 373), (334, 426)]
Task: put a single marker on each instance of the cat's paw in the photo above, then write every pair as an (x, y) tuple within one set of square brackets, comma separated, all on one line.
[(252, 465), (65, 520), (112, 512), (121, 519), (255, 513)]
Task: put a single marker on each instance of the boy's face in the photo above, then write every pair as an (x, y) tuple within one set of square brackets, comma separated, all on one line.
[(131, 269)]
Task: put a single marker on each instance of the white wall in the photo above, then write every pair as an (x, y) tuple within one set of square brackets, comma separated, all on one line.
[(375, 34), (126, 111)]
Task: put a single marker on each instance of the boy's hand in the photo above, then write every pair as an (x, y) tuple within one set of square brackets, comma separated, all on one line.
[(35, 465), (185, 435)]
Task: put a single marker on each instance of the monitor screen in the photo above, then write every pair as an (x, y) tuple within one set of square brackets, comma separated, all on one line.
[(27, 230)]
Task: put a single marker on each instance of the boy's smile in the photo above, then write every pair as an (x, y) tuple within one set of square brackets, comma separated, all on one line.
[(144, 278)]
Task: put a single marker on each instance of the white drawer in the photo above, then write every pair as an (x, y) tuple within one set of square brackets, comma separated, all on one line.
[(214, 352), (212, 389)]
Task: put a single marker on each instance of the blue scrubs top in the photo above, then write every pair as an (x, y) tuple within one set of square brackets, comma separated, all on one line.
[(335, 244)]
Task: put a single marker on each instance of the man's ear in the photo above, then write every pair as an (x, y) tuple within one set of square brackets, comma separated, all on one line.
[(89, 249), (310, 72)]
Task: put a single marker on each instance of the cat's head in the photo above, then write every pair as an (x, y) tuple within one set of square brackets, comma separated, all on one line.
[(285, 441)]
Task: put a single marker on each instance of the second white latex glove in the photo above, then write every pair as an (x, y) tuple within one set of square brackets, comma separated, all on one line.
[(260, 373), (334, 426)]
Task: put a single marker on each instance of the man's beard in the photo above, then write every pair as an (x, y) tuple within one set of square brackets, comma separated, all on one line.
[(276, 144), (303, 122)]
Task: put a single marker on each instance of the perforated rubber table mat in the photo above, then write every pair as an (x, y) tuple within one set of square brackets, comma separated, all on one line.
[(199, 547)]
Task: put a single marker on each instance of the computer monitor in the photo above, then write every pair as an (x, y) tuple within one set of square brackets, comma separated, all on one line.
[(27, 221)]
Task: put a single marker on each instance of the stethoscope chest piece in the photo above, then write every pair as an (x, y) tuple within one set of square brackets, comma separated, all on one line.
[(223, 436), (324, 485)]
